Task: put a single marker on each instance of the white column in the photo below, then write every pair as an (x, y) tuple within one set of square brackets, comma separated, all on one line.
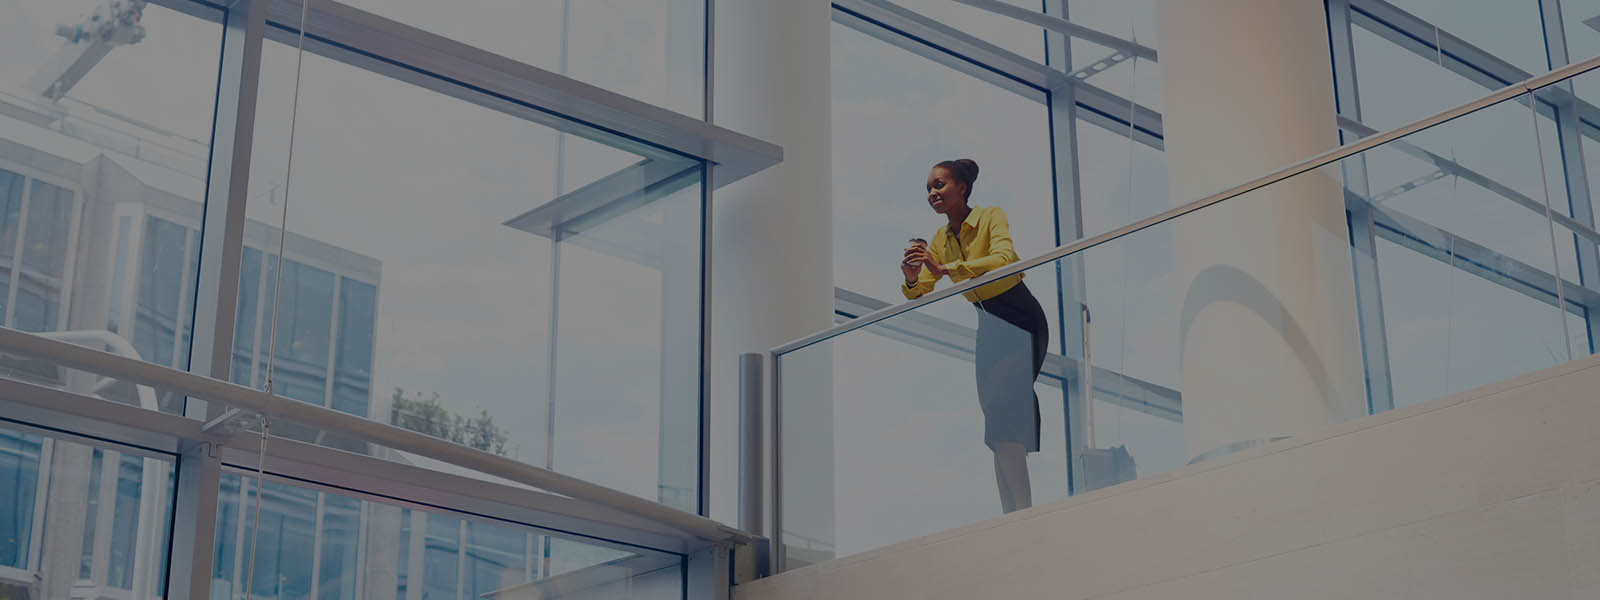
[(1270, 342), (772, 262)]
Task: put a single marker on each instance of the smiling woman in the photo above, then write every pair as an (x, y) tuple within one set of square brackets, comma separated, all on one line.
[(1012, 332)]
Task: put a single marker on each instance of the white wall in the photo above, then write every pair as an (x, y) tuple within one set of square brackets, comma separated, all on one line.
[(1491, 493), (1273, 296), (772, 260)]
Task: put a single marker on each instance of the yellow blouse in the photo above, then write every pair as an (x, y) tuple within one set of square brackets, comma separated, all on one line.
[(983, 245)]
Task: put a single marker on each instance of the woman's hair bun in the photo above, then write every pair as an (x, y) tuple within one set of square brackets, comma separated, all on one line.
[(969, 169), (964, 169)]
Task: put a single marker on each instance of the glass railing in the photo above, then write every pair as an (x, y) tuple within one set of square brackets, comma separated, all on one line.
[(1451, 253)]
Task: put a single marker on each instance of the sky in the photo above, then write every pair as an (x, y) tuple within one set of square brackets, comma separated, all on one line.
[(421, 182)]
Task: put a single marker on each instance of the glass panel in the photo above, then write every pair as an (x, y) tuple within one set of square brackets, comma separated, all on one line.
[(1005, 32), (652, 51), (1511, 30), (11, 200), (1197, 330), (20, 466), (109, 512), (1579, 26), (1398, 86), (895, 115), (474, 276), (324, 545), (629, 304), (106, 112), (161, 290), (1119, 181), (1116, 71), (1570, 122)]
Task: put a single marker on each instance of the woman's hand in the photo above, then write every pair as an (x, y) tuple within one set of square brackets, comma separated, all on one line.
[(924, 258), (911, 266)]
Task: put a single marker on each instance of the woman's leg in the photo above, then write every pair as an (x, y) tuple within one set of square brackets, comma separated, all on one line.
[(1011, 474)]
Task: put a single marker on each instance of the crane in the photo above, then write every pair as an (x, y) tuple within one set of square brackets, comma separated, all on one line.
[(112, 23)]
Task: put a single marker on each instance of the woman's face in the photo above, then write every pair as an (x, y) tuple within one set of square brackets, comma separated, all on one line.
[(945, 192)]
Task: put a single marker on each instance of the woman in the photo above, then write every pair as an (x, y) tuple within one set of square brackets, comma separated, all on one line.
[(1012, 333)]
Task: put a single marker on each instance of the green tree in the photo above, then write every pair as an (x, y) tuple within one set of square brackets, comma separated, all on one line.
[(427, 416), (481, 433)]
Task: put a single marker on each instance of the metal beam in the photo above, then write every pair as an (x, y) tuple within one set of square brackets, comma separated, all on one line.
[(1464, 254), (630, 187), (969, 54), (198, 471), (1063, 26), (463, 71), (1451, 167), (392, 481), (1363, 242), (947, 45), (1071, 300), (92, 420), (1574, 167), (1114, 113), (690, 527), (1418, 36)]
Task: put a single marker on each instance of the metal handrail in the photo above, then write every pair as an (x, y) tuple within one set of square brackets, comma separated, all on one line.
[(1297, 168), (279, 407)]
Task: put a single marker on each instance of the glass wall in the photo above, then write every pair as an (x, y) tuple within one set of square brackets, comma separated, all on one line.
[(320, 544), (896, 114), (105, 121), (470, 264), (1408, 59), (93, 517), (652, 51), (923, 410), (1015, 36), (524, 286)]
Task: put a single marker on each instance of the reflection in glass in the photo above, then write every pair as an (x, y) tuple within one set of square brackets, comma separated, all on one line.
[(651, 51), (527, 292), (106, 528), (316, 544), (103, 145)]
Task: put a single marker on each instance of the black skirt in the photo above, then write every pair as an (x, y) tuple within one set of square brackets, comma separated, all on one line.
[(1013, 338)]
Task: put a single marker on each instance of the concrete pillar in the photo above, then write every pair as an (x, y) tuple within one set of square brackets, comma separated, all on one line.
[(382, 562), (66, 504), (1269, 330), (772, 258)]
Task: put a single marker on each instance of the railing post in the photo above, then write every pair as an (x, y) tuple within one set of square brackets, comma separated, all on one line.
[(752, 444), (750, 397)]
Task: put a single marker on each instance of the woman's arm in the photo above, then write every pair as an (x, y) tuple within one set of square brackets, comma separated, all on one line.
[(923, 285), (1001, 251)]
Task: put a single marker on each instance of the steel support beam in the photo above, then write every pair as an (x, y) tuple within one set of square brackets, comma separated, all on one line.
[(1363, 243), (198, 470), (1059, 23), (688, 526), (1569, 134), (1071, 282), (966, 53), (462, 71)]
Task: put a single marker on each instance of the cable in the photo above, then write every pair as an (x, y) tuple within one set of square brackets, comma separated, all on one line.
[(255, 526), (288, 180), (277, 288), (1549, 218)]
